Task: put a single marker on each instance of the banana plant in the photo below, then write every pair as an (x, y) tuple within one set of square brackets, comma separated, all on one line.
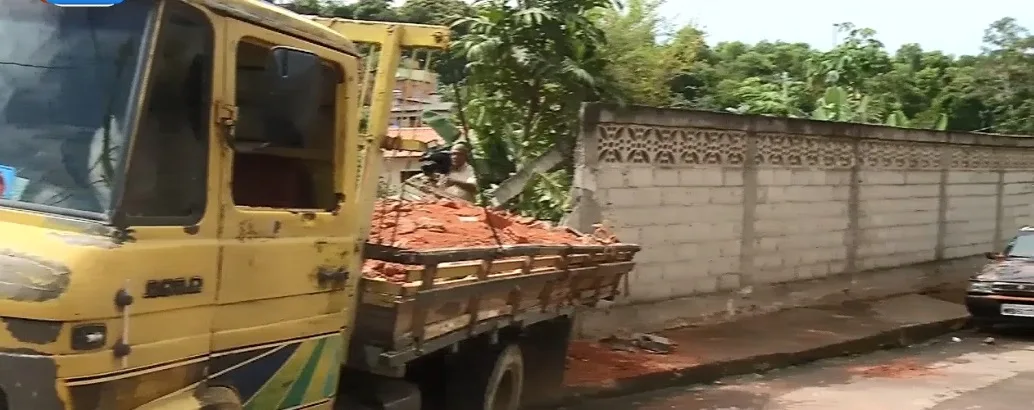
[(899, 119), (515, 184), (442, 124), (837, 104)]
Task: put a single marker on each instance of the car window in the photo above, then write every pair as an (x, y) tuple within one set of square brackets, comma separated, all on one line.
[(1021, 246)]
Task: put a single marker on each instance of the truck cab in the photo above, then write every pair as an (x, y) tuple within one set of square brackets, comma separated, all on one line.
[(179, 207), (185, 198)]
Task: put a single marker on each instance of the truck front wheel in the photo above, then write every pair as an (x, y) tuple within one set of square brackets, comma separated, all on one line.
[(481, 383)]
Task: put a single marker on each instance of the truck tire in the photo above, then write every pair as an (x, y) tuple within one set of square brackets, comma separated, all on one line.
[(489, 384)]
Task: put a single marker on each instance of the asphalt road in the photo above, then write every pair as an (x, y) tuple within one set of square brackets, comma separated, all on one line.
[(968, 373)]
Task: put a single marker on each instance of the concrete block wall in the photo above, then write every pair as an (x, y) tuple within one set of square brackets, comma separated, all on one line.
[(800, 222), (724, 202), (898, 217), (688, 220), (972, 212), (1017, 203)]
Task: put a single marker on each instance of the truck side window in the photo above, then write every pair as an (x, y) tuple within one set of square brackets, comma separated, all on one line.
[(168, 170), (270, 176)]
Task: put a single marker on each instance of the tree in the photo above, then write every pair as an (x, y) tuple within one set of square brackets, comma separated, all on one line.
[(438, 12), (377, 10), (531, 65), (644, 59), (761, 97), (303, 6), (644, 70), (520, 69), (1005, 77)]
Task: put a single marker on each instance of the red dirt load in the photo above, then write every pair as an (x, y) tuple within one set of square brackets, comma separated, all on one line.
[(438, 224)]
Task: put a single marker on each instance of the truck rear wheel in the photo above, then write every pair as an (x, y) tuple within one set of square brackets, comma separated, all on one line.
[(488, 384), (506, 382)]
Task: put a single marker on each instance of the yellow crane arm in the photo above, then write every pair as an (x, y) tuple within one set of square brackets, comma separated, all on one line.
[(390, 39)]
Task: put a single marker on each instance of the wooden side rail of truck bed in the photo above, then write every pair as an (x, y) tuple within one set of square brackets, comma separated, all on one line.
[(450, 295)]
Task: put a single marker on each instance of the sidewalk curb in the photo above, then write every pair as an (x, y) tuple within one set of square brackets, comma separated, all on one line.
[(710, 372)]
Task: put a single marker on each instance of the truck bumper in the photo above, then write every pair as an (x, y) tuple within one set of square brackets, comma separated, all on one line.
[(988, 311)]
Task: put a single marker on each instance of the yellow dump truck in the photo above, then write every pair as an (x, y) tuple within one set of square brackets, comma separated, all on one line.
[(184, 219)]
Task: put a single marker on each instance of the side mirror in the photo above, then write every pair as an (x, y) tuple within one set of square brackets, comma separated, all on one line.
[(295, 86)]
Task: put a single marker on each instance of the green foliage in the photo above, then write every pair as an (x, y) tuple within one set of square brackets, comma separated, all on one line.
[(857, 80), (520, 69), (440, 12), (642, 70), (530, 68), (442, 124)]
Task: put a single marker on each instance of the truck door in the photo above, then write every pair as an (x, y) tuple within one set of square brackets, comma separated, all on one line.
[(169, 262), (284, 292)]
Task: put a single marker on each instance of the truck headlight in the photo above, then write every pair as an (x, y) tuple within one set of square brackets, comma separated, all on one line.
[(980, 287)]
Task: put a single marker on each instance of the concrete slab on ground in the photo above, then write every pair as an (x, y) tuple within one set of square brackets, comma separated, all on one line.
[(760, 343)]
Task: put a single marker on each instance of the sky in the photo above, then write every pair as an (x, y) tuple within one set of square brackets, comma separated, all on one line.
[(952, 27), (955, 27)]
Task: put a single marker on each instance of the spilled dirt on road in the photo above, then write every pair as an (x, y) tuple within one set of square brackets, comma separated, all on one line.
[(902, 368), (597, 364)]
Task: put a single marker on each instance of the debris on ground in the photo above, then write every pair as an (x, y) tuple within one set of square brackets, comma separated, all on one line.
[(900, 368), (444, 223), (956, 339), (989, 341), (640, 342), (595, 364)]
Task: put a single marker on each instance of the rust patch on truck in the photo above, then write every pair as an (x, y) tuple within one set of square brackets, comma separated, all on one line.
[(116, 233), (29, 380), (246, 230), (102, 242), (38, 332), (30, 278)]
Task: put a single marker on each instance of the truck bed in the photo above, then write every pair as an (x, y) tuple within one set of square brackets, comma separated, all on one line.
[(453, 294)]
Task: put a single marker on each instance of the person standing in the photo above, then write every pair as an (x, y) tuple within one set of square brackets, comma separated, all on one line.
[(461, 181)]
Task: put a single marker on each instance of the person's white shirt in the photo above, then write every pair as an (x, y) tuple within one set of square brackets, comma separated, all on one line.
[(464, 174)]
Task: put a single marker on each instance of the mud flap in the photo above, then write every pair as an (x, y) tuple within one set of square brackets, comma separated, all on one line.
[(398, 395), (360, 390), (545, 351)]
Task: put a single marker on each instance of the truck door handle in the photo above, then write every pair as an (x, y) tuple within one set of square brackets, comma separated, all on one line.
[(327, 275)]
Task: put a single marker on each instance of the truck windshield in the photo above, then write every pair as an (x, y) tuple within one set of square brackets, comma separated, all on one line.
[(67, 82)]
